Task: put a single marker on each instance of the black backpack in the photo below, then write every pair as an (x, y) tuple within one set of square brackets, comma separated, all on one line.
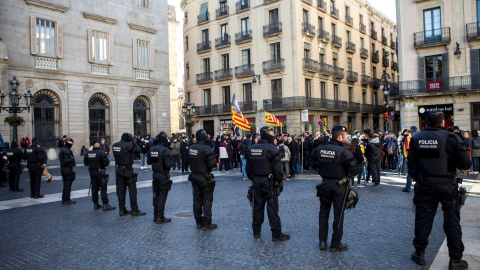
[(282, 151)]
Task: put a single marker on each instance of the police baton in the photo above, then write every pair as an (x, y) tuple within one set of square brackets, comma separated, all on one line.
[(342, 213), (89, 188)]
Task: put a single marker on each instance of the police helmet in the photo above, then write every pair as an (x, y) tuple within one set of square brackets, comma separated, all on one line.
[(352, 199)]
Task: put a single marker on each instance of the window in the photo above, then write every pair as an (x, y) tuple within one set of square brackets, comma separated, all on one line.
[(383, 32), (349, 35), (207, 97), (335, 59), (203, 15), (225, 58), (347, 11), (375, 98), (361, 18), (141, 116), (205, 36), (142, 3), (46, 117), (373, 47), (306, 51), (186, 43), (186, 17), (320, 23), (433, 68), (275, 51), (364, 70), (99, 116), (432, 24), (45, 36), (305, 17), (373, 26), (99, 46), (273, 16), (246, 57), (335, 92), (374, 72), (478, 10), (323, 90), (364, 97), (247, 92), (143, 48), (187, 70), (245, 26), (362, 42), (223, 6), (334, 29), (277, 89), (349, 64), (350, 94), (206, 65), (322, 58), (308, 88), (188, 97), (226, 95), (332, 4), (224, 31)]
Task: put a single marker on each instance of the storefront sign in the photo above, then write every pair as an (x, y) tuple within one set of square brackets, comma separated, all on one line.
[(251, 120), (304, 114), (446, 108), (434, 86), (282, 119), (225, 122), (310, 118)]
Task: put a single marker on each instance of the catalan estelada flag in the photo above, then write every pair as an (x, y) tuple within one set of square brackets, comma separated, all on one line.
[(237, 117), (272, 120)]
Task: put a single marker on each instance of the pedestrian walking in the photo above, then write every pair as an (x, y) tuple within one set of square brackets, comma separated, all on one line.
[(104, 146), (356, 151)]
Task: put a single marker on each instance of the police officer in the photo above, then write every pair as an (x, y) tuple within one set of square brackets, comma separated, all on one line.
[(202, 160), (15, 156), (97, 160), (264, 168), (123, 152), (433, 158), (334, 163), (36, 158), (67, 162), (160, 157)]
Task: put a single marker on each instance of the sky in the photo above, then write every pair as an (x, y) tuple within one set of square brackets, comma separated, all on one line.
[(387, 7)]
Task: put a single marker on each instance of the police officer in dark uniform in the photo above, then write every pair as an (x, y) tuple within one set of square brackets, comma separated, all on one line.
[(264, 168), (97, 160), (433, 158), (67, 162), (202, 160), (160, 157), (123, 152), (36, 158), (335, 164), (15, 156)]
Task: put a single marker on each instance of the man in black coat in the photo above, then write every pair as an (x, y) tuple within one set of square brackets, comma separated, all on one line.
[(374, 158), (36, 158), (67, 162), (184, 154), (14, 156), (293, 147)]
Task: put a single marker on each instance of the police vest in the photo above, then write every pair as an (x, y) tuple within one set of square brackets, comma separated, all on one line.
[(156, 157), (14, 155), (260, 156), (95, 159), (31, 153), (197, 158), (433, 159), (123, 157), (330, 165)]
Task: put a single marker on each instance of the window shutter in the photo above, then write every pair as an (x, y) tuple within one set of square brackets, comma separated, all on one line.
[(135, 41), (33, 35), (90, 45), (151, 55), (474, 68), (59, 40), (111, 52), (445, 72), (421, 68)]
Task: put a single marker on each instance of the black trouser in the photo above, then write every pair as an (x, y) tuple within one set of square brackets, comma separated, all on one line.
[(176, 162), (184, 163), (160, 188), (374, 170), (124, 179), (35, 172), (67, 182), (331, 193), (96, 180), (293, 159), (427, 199), (14, 171), (202, 199), (306, 160), (261, 188)]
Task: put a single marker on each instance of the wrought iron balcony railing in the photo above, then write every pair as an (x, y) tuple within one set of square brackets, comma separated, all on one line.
[(265, 2), (375, 58), (243, 37), (216, 109), (308, 29), (473, 31), (432, 38), (384, 40), (325, 69), (223, 74), (203, 18), (294, 103), (394, 65), (322, 6), (222, 12), (441, 85), (364, 53), (273, 29), (393, 45), (323, 35), (206, 77), (351, 47), (337, 41), (352, 76), (243, 5), (338, 73), (365, 80), (244, 71), (367, 108), (363, 28), (204, 46), (375, 83), (334, 12), (348, 20), (223, 42), (310, 65), (353, 107), (275, 65), (310, 2), (385, 62), (373, 34)]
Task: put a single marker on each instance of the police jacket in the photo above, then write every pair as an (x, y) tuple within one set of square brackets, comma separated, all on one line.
[(183, 147), (14, 155), (374, 152), (160, 158), (35, 154), (201, 158), (246, 143), (96, 159), (263, 159), (437, 153), (334, 161), (123, 152), (66, 157)]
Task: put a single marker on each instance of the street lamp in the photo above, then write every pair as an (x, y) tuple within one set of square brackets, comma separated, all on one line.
[(254, 81), (14, 98), (386, 86), (189, 111)]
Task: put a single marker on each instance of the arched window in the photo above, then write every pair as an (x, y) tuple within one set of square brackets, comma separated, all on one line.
[(46, 118), (99, 117), (141, 116)]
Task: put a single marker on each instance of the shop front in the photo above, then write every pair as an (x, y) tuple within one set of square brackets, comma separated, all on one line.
[(447, 109), (310, 125), (251, 121), (226, 126), (281, 130)]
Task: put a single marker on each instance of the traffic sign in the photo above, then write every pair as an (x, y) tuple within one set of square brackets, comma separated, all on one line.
[(392, 117), (304, 114), (392, 113), (320, 123)]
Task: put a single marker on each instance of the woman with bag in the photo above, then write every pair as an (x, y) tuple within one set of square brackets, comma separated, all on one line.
[(224, 154)]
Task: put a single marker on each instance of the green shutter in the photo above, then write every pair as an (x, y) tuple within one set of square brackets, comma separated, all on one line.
[(445, 72), (474, 68), (421, 74)]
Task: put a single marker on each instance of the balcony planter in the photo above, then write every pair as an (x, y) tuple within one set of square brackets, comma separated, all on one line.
[(14, 120), (190, 123)]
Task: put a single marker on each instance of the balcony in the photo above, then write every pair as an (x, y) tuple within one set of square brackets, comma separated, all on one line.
[(337, 41), (310, 2), (394, 65), (432, 38), (322, 6), (384, 40), (206, 77), (203, 47), (308, 30), (393, 45), (353, 107), (323, 35), (367, 108), (385, 62), (348, 20), (216, 109), (266, 2), (275, 65), (244, 71), (46, 63), (334, 12), (473, 31), (203, 18), (373, 34), (365, 80), (375, 58), (243, 37), (352, 76), (273, 29), (469, 83), (325, 69), (243, 5), (338, 73), (378, 109), (222, 12), (394, 89), (364, 53), (351, 47), (223, 42), (223, 74), (297, 103), (375, 83), (363, 28), (310, 65)]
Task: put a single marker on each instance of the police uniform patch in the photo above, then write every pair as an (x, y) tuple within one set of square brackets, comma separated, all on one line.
[(428, 144), (154, 154), (9, 153), (256, 152), (29, 150), (92, 155), (193, 152), (117, 149), (327, 154)]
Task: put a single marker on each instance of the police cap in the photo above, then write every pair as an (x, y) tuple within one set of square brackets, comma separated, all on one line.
[(339, 128)]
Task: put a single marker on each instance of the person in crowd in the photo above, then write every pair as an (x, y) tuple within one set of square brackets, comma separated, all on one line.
[(24, 142), (293, 147), (184, 154), (216, 151), (362, 143), (467, 140), (475, 152), (412, 132), (62, 141), (374, 157), (175, 152), (356, 151), (224, 154), (104, 146), (246, 143), (402, 161), (285, 156), (307, 150)]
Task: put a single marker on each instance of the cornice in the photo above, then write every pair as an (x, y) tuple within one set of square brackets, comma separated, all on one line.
[(47, 5), (142, 28), (95, 17)]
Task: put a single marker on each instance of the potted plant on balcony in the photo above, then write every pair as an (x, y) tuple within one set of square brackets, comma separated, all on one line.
[(14, 120), (190, 123)]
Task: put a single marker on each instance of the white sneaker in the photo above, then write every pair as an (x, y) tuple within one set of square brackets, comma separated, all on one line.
[(288, 179), (141, 167)]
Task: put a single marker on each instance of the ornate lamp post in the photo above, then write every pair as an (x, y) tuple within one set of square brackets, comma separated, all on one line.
[(385, 86), (189, 111), (14, 108)]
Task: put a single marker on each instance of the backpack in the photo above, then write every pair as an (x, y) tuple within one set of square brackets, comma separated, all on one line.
[(282, 151)]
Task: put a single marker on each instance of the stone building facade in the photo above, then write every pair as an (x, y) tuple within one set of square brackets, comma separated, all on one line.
[(96, 68), (175, 119), (322, 55), (439, 43)]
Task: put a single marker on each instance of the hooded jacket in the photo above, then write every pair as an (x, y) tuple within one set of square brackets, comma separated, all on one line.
[(374, 152)]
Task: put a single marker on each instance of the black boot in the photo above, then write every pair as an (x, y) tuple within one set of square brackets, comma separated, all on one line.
[(138, 213), (107, 207), (418, 257), (457, 265), (124, 213), (339, 248), (323, 245), (281, 237), (209, 227), (163, 220), (97, 206)]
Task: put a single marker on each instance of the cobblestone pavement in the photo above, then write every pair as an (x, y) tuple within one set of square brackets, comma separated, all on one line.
[(379, 231)]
